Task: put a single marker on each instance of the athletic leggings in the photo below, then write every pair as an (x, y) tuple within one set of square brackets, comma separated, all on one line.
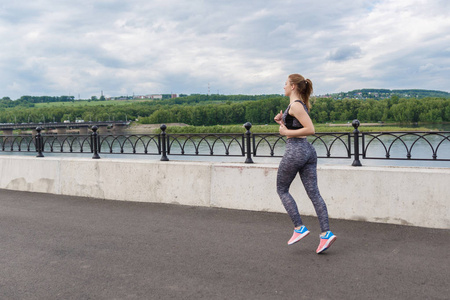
[(300, 157)]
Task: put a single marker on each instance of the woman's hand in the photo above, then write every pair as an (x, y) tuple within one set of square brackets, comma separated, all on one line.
[(279, 118), (283, 129)]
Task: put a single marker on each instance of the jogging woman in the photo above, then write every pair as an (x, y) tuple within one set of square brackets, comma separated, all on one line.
[(300, 157)]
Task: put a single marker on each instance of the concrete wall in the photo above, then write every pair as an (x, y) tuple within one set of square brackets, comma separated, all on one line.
[(409, 196)]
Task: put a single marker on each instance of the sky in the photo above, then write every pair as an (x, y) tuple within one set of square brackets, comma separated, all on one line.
[(85, 48)]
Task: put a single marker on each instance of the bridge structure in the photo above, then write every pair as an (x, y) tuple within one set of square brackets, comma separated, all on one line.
[(61, 128)]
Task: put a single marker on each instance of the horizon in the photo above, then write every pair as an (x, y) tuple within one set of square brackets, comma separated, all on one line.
[(178, 95)]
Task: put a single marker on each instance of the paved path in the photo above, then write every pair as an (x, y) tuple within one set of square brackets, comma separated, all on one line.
[(59, 247)]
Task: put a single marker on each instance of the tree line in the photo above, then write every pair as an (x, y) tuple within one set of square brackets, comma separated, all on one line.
[(323, 110), (30, 100), (213, 110)]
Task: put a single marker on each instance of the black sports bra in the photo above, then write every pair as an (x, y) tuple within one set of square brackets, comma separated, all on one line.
[(290, 121)]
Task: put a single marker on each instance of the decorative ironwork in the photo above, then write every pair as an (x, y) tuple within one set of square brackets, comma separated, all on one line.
[(375, 145), (39, 143), (16, 143), (327, 144), (356, 161), (401, 145), (65, 143), (95, 143), (248, 134), (206, 144), (267, 141), (130, 144)]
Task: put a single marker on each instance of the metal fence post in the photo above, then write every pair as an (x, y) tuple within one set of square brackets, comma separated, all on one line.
[(39, 142), (356, 162), (94, 142), (164, 157), (248, 134)]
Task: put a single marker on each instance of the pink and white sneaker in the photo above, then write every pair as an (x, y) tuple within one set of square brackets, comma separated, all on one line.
[(326, 241), (298, 235)]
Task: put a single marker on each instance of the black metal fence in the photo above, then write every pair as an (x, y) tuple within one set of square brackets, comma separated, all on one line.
[(433, 146), (408, 145)]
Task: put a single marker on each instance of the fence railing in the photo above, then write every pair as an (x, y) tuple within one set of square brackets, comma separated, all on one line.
[(433, 146), (408, 145)]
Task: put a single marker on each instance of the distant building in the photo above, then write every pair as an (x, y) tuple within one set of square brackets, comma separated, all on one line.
[(148, 96)]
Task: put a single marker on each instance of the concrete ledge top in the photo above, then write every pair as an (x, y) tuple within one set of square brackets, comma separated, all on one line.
[(235, 164), (387, 168)]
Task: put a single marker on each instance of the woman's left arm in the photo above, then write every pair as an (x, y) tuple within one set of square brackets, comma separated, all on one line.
[(298, 111)]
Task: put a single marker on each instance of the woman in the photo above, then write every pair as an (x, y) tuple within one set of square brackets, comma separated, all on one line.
[(300, 157)]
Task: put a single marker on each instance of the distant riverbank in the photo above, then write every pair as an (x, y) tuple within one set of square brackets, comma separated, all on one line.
[(179, 128), (150, 128), (175, 128)]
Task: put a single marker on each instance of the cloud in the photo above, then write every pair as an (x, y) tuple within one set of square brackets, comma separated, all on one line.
[(345, 53), (123, 47)]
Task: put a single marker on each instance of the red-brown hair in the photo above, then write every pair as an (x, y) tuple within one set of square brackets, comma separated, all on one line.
[(304, 87)]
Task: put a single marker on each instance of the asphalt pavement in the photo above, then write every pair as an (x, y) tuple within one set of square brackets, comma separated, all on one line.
[(61, 247)]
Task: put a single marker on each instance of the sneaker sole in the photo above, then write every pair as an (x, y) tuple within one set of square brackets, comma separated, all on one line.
[(328, 244), (299, 238)]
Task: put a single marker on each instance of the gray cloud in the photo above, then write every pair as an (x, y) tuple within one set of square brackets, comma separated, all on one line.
[(162, 46), (345, 53)]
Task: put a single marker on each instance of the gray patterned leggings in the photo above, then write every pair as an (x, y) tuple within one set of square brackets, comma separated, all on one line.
[(300, 157)]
